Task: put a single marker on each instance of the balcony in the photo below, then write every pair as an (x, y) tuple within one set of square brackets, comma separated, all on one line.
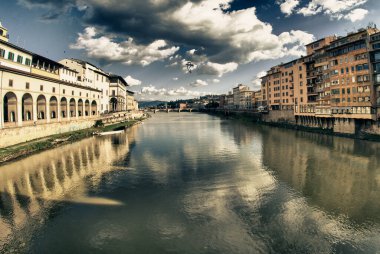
[(319, 89)]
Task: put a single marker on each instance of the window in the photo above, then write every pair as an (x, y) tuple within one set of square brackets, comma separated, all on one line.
[(53, 89), (376, 46), (19, 59), (376, 67), (376, 56), (27, 61), (27, 85), (342, 71), (300, 75), (11, 83), (41, 87), (11, 56), (377, 78), (72, 93), (64, 91), (300, 68), (2, 53)]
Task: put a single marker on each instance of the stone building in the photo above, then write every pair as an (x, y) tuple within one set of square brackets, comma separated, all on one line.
[(91, 76), (36, 90), (117, 94), (132, 104), (334, 86)]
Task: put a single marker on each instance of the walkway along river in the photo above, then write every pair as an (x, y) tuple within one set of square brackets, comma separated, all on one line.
[(194, 183)]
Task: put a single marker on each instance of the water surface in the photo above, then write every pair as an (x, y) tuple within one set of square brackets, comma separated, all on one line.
[(194, 183)]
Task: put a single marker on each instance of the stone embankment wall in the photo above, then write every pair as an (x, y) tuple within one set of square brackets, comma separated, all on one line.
[(16, 135), (360, 128), (13, 136), (279, 116)]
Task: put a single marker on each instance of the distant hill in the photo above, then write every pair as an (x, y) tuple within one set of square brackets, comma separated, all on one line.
[(144, 104)]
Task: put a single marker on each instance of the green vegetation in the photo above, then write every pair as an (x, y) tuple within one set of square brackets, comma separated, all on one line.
[(31, 147)]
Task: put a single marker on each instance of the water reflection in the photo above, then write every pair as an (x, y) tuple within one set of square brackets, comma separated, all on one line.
[(196, 184), (340, 175), (31, 187)]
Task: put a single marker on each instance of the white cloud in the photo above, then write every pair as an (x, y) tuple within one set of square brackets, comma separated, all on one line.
[(175, 79), (288, 6), (356, 15), (198, 83), (241, 36), (132, 82), (128, 52), (179, 92), (215, 80), (210, 68), (256, 82), (191, 52), (336, 9), (203, 26)]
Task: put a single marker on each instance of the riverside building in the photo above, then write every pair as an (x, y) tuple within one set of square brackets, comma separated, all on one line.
[(335, 85), (36, 91)]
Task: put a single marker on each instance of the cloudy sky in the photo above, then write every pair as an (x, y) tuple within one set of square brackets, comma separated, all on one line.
[(149, 42)]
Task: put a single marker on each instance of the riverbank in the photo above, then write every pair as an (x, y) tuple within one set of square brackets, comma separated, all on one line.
[(28, 148), (247, 118)]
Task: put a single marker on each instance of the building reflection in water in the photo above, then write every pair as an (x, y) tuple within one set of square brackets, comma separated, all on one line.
[(31, 187), (340, 175)]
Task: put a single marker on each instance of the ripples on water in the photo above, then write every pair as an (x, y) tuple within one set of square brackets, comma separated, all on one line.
[(193, 183)]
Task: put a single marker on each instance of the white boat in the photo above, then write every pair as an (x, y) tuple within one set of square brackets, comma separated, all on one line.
[(110, 132)]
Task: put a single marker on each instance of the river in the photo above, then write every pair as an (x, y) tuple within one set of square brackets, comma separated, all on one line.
[(195, 183)]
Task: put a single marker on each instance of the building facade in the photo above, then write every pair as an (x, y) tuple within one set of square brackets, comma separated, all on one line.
[(118, 94), (36, 90), (335, 84), (93, 77)]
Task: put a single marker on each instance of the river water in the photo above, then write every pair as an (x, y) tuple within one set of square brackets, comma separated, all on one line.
[(194, 183)]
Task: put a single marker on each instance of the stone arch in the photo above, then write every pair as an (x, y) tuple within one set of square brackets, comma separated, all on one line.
[(94, 107), (10, 107), (41, 107), (27, 107), (73, 111), (53, 107), (63, 104), (87, 108), (80, 107), (113, 104)]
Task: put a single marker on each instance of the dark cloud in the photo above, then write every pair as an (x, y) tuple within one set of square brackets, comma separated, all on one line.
[(222, 31)]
